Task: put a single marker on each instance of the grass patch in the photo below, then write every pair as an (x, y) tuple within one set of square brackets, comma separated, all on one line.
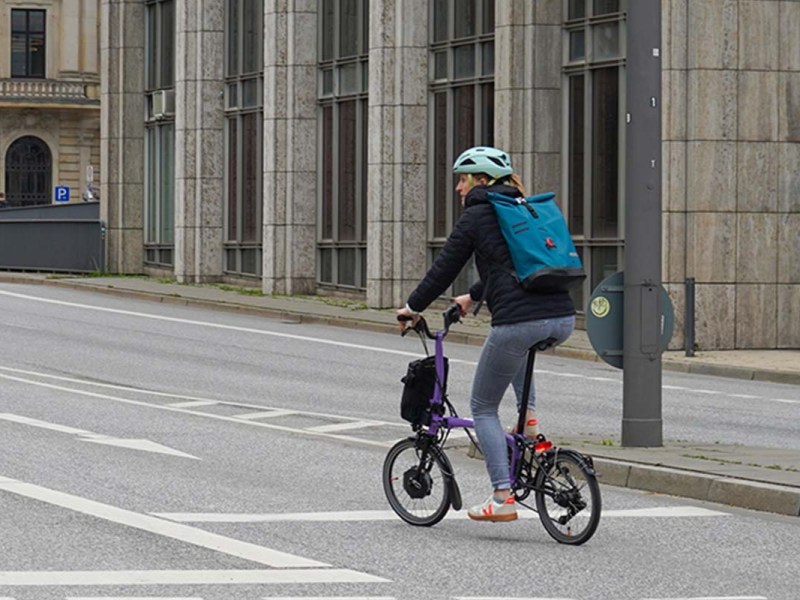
[(244, 291), (725, 461)]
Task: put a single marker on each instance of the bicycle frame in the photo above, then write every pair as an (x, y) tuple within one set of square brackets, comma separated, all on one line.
[(440, 421)]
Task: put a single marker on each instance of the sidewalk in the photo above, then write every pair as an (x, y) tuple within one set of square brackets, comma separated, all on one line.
[(765, 479)]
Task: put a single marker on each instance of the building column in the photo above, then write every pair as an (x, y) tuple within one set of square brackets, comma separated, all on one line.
[(199, 140), (528, 90), (70, 37), (88, 47), (290, 149), (397, 231), (122, 133)]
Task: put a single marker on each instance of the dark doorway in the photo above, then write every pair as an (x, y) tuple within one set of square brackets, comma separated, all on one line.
[(28, 172)]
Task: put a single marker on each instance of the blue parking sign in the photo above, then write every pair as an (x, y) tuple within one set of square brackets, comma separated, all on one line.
[(62, 193)]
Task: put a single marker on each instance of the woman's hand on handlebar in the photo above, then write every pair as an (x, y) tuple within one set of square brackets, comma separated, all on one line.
[(405, 316), (465, 302)]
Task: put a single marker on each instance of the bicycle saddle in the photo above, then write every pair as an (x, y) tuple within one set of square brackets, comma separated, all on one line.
[(544, 345)]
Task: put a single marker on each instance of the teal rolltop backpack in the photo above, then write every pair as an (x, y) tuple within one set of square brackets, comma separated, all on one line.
[(541, 248)]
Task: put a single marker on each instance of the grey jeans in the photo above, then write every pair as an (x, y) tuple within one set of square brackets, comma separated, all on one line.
[(502, 362)]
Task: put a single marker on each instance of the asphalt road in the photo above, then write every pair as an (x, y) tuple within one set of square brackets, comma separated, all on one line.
[(158, 451)]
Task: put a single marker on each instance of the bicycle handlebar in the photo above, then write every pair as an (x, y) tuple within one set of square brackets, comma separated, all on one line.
[(452, 315)]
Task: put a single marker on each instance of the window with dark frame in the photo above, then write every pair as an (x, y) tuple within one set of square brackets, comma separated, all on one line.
[(244, 117), (593, 67), (159, 188), (342, 92), (28, 37), (461, 105)]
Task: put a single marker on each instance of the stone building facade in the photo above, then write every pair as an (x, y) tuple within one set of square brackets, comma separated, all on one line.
[(303, 146), (49, 98)]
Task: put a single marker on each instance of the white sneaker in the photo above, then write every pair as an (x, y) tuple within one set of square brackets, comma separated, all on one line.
[(494, 511)]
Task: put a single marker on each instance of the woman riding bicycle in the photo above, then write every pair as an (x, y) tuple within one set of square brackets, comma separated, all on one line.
[(520, 319)]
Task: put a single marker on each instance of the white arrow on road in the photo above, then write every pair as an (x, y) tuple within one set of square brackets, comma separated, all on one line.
[(95, 438)]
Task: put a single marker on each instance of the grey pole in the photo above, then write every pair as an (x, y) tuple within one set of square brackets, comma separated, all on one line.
[(641, 404)]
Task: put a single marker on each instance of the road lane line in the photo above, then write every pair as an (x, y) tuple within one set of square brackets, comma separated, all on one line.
[(129, 598), (276, 576), (150, 524), (343, 426), (388, 515), (289, 336), (508, 598), (714, 598), (185, 411), (193, 403), (302, 337), (266, 414), (263, 411)]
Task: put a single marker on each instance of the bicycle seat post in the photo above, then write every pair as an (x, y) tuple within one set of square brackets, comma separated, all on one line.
[(526, 389)]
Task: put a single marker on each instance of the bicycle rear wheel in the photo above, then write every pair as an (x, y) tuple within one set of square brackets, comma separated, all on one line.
[(568, 498), (416, 486)]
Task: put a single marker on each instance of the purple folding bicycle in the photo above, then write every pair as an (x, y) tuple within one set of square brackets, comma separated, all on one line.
[(421, 487)]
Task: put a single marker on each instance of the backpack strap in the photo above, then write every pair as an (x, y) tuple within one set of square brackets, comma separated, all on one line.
[(493, 264)]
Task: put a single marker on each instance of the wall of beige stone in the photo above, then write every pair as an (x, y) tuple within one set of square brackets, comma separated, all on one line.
[(72, 54), (72, 48), (73, 137), (731, 152)]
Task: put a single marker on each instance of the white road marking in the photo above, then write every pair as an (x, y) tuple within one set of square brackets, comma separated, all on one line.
[(95, 438), (266, 414), (202, 414), (314, 339), (193, 403), (714, 598), (388, 515), (344, 426), (289, 336), (277, 576), (183, 533), (507, 598), (129, 598), (328, 598), (42, 424)]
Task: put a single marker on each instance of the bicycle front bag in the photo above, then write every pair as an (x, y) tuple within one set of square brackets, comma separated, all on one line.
[(419, 382)]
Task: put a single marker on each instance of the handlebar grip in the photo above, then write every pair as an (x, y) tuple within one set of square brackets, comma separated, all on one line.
[(404, 318)]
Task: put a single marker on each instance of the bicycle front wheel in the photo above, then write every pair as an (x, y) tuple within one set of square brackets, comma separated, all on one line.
[(568, 498), (415, 483)]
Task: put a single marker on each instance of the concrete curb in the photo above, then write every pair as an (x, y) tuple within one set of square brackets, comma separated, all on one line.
[(743, 493)]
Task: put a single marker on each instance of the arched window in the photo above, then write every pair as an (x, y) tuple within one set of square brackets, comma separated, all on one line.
[(28, 172)]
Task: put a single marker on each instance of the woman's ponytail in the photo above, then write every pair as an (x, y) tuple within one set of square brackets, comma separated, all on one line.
[(515, 181)]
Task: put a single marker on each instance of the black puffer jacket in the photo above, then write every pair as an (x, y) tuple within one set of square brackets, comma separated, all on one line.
[(478, 231)]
